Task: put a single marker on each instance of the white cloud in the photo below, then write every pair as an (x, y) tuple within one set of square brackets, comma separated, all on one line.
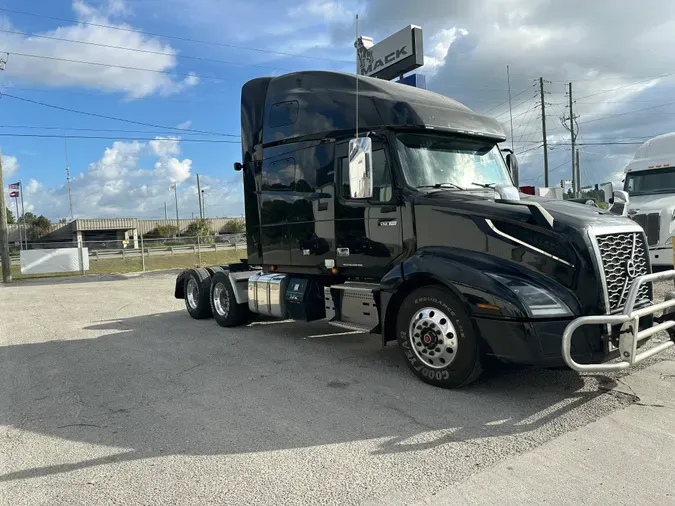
[(165, 146), (134, 83), (117, 161), (173, 170), (440, 44), (9, 167), (185, 124), (131, 179)]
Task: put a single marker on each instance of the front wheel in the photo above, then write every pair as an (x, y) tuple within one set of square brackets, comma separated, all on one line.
[(437, 340)]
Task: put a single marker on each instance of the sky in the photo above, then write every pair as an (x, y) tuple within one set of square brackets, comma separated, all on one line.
[(134, 95)]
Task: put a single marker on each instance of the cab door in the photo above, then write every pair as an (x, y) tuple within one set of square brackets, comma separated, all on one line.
[(368, 233)]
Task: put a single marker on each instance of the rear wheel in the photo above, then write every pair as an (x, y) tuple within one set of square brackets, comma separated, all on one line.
[(224, 307), (437, 340), (197, 284)]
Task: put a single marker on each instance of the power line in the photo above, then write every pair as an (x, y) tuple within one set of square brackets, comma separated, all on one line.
[(173, 37), (626, 86), (507, 100), (112, 65), (211, 103), (78, 129), (96, 115), (629, 112), (61, 136), (180, 74), (146, 51)]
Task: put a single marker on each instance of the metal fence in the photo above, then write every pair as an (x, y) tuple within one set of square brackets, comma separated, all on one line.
[(115, 257)]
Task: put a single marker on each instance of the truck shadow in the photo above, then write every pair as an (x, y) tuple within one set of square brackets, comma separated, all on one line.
[(164, 384)]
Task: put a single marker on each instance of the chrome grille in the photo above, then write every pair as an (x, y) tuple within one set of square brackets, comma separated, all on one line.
[(651, 224), (624, 257)]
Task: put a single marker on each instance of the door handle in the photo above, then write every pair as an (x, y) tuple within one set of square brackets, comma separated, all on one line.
[(388, 209)]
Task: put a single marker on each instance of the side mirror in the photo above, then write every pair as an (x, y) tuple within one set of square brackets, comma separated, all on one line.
[(621, 197), (512, 164), (360, 168), (620, 202), (238, 166)]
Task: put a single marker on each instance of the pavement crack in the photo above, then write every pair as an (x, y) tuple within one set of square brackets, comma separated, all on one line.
[(79, 425), (410, 417), (193, 367)]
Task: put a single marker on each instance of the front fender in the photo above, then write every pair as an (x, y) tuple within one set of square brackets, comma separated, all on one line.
[(464, 273)]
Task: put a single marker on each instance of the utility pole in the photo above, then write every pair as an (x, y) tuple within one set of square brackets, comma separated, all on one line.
[(204, 202), (166, 216), (4, 233), (543, 129), (578, 173), (199, 195), (508, 80), (575, 182), (70, 195), (175, 194)]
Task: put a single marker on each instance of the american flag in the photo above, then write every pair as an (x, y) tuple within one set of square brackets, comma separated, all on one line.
[(13, 194), (14, 186)]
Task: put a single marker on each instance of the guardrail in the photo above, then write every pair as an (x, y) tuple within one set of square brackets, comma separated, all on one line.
[(629, 334)]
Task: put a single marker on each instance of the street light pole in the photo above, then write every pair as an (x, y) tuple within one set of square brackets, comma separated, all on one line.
[(175, 193)]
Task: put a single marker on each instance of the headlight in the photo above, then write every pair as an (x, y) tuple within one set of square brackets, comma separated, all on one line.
[(538, 302)]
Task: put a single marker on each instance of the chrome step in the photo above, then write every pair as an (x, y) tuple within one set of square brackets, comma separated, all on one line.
[(352, 305), (354, 286)]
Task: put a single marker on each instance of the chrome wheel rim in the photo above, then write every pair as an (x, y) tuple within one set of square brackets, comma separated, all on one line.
[(221, 299), (433, 338), (192, 293)]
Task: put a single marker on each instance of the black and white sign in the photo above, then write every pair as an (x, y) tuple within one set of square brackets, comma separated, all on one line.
[(397, 54)]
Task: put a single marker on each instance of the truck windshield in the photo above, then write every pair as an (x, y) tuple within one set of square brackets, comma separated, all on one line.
[(646, 182), (431, 160)]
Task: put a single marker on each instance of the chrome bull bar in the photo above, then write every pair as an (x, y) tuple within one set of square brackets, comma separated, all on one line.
[(629, 335)]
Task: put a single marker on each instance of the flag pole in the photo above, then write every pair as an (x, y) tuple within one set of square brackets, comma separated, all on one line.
[(18, 226), (23, 213)]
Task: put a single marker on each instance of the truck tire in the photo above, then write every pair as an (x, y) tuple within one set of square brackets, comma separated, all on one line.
[(224, 307), (197, 284), (436, 338)]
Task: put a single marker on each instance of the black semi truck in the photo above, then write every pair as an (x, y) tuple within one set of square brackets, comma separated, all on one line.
[(392, 210)]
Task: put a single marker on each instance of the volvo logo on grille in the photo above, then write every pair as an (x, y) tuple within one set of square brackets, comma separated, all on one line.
[(631, 270)]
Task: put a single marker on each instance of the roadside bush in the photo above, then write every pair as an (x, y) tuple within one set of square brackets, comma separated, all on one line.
[(200, 228), (235, 226), (162, 232)]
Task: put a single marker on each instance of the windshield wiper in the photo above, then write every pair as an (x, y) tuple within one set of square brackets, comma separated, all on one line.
[(485, 185), (441, 185)]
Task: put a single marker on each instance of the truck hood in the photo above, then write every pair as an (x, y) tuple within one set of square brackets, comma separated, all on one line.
[(644, 203), (566, 215)]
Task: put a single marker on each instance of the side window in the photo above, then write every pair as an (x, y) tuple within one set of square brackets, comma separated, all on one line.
[(382, 184)]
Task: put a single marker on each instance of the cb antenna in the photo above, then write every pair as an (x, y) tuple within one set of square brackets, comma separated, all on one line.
[(356, 44)]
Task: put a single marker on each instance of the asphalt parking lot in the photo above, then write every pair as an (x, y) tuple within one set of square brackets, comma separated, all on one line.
[(113, 395)]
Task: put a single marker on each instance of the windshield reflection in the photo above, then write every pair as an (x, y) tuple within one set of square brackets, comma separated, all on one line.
[(447, 161)]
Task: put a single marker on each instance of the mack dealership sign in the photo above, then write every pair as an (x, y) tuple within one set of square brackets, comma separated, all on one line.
[(394, 56)]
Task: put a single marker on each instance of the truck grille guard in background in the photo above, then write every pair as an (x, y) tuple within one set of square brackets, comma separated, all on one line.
[(629, 335)]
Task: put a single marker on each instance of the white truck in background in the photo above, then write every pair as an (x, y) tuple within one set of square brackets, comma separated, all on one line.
[(649, 182)]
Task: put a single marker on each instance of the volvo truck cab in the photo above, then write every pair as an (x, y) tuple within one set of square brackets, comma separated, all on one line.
[(392, 211), (650, 184)]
